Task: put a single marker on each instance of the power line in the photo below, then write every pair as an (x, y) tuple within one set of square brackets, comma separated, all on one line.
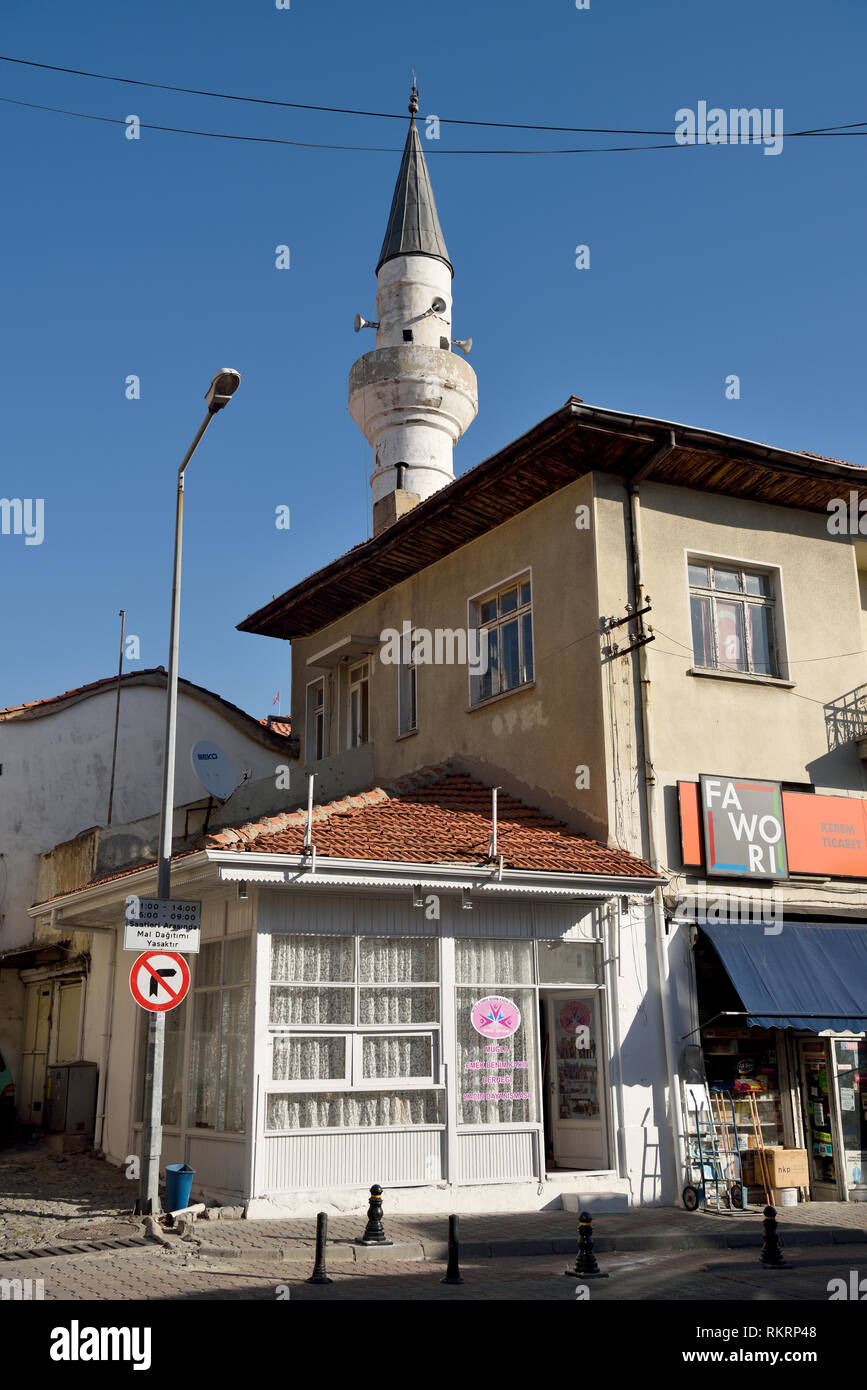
[(363, 149), (797, 661), (396, 116)]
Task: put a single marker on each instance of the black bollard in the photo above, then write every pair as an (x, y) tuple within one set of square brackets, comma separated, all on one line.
[(453, 1273), (586, 1266), (319, 1275), (772, 1253), (373, 1232)]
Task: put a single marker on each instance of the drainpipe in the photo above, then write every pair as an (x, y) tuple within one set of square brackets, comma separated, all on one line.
[(650, 789), (612, 951), (102, 1085)]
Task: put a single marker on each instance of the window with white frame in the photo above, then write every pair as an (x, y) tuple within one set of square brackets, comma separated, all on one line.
[(354, 1027), (220, 1036), (733, 611), (359, 704), (504, 621), (315, 721), (496, 968), (407, 691)]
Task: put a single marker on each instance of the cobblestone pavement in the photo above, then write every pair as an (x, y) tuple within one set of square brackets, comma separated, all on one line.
[(46, 1197), (162, 1275)]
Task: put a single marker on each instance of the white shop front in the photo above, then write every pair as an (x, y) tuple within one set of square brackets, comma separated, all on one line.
[(435, 1030), (443, 1034)]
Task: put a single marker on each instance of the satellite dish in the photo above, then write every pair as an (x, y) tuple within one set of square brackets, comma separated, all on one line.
[(213, 769)]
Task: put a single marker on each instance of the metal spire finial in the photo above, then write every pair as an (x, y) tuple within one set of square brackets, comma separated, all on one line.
[(413, 99)]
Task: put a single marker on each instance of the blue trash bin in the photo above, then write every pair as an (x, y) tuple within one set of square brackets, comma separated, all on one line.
[(179, 1184)]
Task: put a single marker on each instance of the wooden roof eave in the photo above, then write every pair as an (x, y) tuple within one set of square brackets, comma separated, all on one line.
[(558, 450)]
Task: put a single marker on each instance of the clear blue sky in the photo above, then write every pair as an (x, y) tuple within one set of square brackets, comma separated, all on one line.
[(156, 258)]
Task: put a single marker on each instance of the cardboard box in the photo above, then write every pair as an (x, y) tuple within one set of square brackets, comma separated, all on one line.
[(785, 1167)]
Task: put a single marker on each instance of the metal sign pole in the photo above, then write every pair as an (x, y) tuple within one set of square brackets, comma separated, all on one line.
[(222, 388), (152, 1126)]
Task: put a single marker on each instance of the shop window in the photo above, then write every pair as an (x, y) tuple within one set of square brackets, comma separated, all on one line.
[(355, 1110), (363, 991), (312, 1059), (220, 1036), (570, 963), (497, 1075), (733, 612), (504, 620), (322, 970), (387, 1055)]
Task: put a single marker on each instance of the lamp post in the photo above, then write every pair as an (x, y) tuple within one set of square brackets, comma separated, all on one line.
[(218, 395)]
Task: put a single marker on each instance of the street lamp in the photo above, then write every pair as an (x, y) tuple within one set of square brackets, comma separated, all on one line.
[(217, 396)]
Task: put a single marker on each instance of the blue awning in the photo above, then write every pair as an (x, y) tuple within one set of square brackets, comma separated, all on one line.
[(806, 969)]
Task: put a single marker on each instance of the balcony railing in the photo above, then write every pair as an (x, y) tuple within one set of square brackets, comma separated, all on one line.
[(846, 717)]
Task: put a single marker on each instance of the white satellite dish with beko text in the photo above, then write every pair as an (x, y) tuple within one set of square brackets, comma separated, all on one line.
[(213, 769)]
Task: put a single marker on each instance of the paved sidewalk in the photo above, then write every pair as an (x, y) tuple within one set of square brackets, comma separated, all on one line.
[(493, 1236), (46, 1199), (157, 1274)]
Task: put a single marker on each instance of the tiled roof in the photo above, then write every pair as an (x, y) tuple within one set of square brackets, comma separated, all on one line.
[(433, 817), (149, 676), (278, 724)]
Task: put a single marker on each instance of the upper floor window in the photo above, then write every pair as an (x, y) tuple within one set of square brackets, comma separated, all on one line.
[(359, 704), (504, 620), (315, 721), (407, 694), (734, 623)]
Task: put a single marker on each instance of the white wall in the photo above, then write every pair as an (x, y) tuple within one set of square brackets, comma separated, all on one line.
[(54, 784)]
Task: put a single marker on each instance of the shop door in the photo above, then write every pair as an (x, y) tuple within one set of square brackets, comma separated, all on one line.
[(819, 1119), (37, 1020), (574, 1081), (851, 1065)]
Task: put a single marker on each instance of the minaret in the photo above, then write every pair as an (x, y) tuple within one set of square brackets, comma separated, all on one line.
[(412, 396)]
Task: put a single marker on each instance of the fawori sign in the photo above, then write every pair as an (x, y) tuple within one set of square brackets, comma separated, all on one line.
[(744, 833), (823, 834)]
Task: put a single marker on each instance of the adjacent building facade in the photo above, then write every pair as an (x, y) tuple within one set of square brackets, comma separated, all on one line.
[(55, 778)]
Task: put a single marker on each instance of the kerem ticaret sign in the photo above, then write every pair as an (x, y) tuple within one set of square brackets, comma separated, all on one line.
[(744, 835)]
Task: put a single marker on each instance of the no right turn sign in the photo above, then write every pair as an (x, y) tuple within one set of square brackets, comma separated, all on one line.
[(159, 980)]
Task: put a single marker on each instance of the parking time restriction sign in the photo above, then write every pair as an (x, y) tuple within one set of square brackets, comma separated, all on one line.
[(160, 924)]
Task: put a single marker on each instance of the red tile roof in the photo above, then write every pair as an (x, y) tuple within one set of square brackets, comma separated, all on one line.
[(278, 724), (149, 676), (434, 817)]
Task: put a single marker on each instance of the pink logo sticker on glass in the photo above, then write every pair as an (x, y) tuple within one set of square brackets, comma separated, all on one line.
[(574, 1015), (495, 1017)]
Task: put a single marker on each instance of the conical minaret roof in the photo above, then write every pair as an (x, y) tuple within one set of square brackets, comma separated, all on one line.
[(413, 225)]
